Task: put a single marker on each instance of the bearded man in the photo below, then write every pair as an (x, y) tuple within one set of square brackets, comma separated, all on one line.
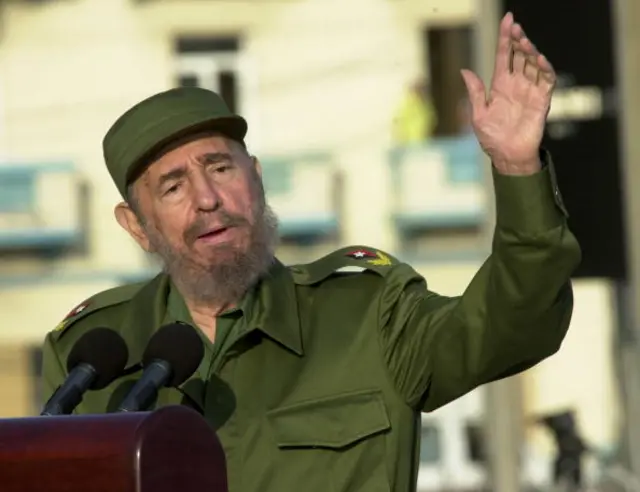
[(315, 379)]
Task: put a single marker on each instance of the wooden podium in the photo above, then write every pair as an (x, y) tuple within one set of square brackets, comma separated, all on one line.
[(171, 449)]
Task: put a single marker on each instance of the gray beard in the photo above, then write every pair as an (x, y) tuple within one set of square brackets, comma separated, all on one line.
[(225, 282)]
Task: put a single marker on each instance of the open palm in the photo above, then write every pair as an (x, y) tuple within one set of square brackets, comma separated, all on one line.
[(509, 121)]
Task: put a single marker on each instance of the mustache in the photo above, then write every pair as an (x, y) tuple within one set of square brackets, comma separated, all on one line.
[(203, 224)]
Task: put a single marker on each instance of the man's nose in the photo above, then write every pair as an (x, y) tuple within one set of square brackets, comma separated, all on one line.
[(206, 194)]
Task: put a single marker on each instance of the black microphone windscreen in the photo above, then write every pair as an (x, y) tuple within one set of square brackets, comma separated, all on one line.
[(180, 345), (105, 350)]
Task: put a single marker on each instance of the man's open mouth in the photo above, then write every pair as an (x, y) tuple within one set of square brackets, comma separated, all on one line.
[(213, 233)]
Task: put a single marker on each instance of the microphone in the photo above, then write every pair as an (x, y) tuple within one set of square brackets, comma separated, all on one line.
[(95, 361), (172, 356)]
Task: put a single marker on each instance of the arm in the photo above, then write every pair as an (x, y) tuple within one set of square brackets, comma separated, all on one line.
[(514, 313)]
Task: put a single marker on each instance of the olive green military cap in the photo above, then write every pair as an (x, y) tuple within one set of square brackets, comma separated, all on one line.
[(156, 121)]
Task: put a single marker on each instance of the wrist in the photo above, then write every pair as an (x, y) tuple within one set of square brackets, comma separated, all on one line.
[(525, 167)]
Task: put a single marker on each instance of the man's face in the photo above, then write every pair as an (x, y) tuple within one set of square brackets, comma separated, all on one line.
[(203, 211)]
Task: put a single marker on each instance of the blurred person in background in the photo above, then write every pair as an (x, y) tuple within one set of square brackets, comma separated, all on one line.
[(415, 118), (570, 448), (314, 378)]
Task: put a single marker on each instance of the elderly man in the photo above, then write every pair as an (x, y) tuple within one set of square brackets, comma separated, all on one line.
[(314, 379)]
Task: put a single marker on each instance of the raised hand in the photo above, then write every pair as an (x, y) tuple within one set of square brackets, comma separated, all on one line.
[(509, 121)]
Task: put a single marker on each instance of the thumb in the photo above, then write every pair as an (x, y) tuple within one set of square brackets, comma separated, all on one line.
[(475, 89)]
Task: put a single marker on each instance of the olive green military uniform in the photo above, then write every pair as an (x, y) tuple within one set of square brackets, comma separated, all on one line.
[(317, 380)]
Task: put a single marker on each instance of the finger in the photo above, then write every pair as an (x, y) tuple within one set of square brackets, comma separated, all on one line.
[(526, 46), (532, 67), (503, 51), (476, 91), (531, 70), (545, 65), (516, 32), (546, 73), (519, 60)]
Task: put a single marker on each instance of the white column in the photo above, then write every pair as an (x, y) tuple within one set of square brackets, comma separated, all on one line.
[(627, 46)]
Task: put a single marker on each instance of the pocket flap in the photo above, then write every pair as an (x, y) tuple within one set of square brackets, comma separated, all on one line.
[(330, 422)]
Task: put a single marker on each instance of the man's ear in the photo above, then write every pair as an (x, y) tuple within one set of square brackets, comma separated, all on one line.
[(128, 220), (257, 165)]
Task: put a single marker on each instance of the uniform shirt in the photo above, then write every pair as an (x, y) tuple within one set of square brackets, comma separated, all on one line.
[(227, 324), (319, 377)]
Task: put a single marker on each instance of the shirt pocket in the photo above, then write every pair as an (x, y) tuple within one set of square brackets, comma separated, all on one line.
[(334, 443)]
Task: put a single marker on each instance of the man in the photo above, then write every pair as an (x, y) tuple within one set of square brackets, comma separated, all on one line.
[(315, 379), (416, 118)]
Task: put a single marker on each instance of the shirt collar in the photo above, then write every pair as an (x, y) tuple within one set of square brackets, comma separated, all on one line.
[(270, 307), (177, 310), (275, 310)]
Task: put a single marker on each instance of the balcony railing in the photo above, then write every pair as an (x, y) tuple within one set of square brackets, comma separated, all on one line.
[(40, 206), (305, 192), (439, 198), (438, 185)]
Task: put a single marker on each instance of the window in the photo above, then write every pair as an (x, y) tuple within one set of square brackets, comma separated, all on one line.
[(475, 443), (17, 191), (218, 63), (448, 49), (430, 452)]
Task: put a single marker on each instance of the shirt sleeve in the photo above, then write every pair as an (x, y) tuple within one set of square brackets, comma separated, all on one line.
[(514, 313)]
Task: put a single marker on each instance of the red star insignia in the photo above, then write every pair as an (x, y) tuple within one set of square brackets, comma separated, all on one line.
[(77, 310), (361, 254)]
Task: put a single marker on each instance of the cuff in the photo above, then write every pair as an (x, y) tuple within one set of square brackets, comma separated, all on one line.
[(529, 204)]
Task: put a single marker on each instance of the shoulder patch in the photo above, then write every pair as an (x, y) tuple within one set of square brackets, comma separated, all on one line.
[(73, 313), (351, 258), (370, 257), (99, 301)]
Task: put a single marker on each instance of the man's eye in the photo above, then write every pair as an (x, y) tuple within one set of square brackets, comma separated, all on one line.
[(172, 189), (222, 169)]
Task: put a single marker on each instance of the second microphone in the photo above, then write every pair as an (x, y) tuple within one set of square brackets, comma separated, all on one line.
[(171, 357)]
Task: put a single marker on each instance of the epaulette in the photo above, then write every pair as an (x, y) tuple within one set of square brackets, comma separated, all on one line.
[(107, 298), (356, 258)]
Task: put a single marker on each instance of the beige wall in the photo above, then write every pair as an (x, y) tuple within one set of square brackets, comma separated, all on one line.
[(16, 381), (28, 312)]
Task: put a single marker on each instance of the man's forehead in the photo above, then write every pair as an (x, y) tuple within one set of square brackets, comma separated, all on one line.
[(193, 148)]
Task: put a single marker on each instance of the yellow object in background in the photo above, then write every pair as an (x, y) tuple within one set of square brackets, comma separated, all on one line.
[(415, 120)]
